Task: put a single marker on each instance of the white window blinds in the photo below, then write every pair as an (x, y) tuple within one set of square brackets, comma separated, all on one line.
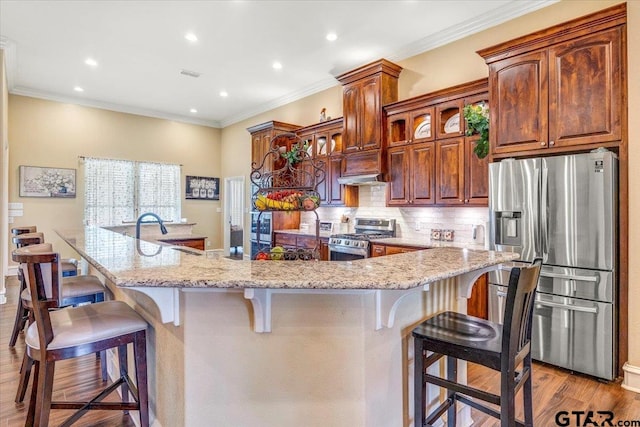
[(121, 190)]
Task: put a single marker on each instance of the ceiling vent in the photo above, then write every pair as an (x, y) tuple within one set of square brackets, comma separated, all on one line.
[(190, 73)]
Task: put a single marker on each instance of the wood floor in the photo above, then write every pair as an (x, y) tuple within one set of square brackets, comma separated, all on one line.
[(554, 389)]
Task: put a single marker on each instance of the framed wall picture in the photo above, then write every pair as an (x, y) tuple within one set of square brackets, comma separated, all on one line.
[(38, 181), (202, 188)]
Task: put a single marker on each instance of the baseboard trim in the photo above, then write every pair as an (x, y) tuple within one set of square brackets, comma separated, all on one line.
[(631, 380), (12, 270)]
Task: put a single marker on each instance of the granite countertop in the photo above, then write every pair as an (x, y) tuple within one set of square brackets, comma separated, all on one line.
[(426, 243), (129, 263), (311, 233)]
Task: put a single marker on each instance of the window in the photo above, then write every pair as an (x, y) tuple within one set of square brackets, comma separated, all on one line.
[(121, 190)]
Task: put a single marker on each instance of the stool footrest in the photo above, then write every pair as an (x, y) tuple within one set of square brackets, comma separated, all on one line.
[(463, 389)]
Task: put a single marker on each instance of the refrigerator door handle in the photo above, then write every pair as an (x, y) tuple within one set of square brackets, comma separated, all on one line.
[(593, 310), (501, 294), (544, 205), (569, 277)]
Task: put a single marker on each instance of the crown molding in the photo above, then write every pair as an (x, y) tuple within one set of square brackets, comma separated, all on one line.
[(112, 107), (460, 31), (327, 83), (490, 19)]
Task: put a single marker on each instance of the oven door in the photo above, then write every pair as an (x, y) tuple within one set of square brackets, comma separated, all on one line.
[(346, 254)]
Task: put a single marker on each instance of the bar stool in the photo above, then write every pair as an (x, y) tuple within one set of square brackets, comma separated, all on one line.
[(73, 291), (69, 268), (77, 331), (501, 348)]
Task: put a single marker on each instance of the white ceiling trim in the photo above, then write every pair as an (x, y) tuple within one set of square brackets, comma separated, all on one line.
[(491, 19), (465, 29), (470, 27), (111, 107)]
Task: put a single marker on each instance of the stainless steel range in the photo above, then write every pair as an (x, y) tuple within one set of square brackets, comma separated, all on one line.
[(350, 246)]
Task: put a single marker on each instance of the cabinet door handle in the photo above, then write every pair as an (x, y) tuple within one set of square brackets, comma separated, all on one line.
[(552, 143), (543, 143)]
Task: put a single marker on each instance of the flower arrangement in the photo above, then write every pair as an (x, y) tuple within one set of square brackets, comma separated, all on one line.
[(477, 117)]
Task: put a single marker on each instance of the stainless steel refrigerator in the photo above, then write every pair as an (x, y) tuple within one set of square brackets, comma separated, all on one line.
[(563, 209)]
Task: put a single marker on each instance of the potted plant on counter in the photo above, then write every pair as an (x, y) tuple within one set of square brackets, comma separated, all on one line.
[(477, 117)]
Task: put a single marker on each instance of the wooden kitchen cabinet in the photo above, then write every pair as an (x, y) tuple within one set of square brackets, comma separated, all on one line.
[(476, 178), (325, 145), (323, 139), (478, 303), (261, 136), (365, 91), (559, 89), (409, 127), (301, 241), (332, 193), (435, 167), (450, 175), (196, 242), (378, 249), (449, 119), (411, 175)]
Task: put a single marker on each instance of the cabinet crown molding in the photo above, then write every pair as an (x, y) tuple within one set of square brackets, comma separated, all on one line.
[(381, 66), (584, 25)]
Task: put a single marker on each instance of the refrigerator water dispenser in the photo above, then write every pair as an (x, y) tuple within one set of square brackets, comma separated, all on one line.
[(508, 228)]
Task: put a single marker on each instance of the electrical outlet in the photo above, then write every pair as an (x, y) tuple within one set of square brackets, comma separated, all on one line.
[(447, 235), (436, 234)]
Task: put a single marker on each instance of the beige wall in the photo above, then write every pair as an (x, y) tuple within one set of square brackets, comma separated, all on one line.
[(46, 133), (457, 63)]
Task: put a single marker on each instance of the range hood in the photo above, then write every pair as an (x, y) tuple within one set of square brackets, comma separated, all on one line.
[(368, 179)]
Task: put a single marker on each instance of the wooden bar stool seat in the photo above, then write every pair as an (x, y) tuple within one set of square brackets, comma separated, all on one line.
[(503, 348), (16, 231), (77, 331)]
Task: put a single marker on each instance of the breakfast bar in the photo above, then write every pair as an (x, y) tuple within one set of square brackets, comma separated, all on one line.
[(279, 343)]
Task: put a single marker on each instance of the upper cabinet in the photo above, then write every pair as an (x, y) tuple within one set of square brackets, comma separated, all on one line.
[(324, 141), (261, 138), (365, 91), (431, 162), (559, 89)]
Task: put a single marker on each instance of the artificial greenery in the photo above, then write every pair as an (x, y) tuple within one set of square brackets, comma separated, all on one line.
[(296, 154), (477, 117)]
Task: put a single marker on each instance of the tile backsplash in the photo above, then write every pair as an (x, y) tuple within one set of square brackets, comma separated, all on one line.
[(411, 222)]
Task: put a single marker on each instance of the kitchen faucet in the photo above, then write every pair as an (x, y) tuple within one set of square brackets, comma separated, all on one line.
[(163, 229)]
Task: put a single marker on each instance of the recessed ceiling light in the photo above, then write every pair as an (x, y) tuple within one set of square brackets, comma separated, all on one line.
[(191, 37), (332, 37), (277, 66), (223, 93), (193, 110), (91, 62), (78, 89)]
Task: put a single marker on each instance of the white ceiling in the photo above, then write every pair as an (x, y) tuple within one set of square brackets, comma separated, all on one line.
[(140, 49)]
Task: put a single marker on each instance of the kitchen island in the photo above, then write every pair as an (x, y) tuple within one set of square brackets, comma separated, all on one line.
[(337, 352)]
